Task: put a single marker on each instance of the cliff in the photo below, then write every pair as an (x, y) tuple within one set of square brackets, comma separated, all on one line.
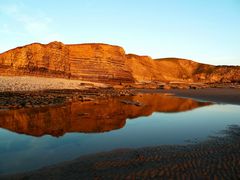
[(107, 63), (145, 68), (92, 62)]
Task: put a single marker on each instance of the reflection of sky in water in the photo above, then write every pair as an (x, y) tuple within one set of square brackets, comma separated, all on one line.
[(21, 152)]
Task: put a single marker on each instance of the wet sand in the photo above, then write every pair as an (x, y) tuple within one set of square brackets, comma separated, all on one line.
[(216, 158), (218, 95)]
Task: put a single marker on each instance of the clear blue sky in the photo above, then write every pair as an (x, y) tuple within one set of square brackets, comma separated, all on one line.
[(203, 30)]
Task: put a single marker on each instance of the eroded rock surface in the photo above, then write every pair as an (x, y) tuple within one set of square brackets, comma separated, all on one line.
[(92, 62), (109, 64), (144, 68)]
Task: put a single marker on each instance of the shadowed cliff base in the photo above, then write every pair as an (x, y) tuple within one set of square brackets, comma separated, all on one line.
[(216, 158), (100, 115)]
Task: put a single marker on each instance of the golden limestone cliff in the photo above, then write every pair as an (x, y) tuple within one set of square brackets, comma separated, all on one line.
[(92, 62), (145, 68), (107, 63)]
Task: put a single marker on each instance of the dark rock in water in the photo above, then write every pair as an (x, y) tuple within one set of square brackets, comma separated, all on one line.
[(82, 114), (135, 103)]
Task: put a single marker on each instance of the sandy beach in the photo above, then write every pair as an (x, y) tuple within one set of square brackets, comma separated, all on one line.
[(216, 158), (217, 95), (212, 159), (31, 83), (108, 89)]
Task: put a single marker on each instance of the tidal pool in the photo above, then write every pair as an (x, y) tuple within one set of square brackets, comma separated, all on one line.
[(34, 138)]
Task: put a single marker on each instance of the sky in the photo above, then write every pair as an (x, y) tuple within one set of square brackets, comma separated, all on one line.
[(206, 31)]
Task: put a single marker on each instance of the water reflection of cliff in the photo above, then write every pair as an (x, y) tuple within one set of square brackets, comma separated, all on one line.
[(89, 117)]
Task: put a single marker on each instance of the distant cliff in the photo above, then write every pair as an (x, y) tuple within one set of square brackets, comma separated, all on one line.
[(144, 68), (107, 63)]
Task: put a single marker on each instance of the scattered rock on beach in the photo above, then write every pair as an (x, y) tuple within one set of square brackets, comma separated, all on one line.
[(167, 87)]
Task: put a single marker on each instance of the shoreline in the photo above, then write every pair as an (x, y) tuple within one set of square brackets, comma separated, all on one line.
[(53, 97), (217, 157), (217, 95)]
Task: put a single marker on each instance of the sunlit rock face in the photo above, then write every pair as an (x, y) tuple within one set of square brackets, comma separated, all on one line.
[(144, 68), (99, 62), (224, 74), (91, 62), (91, 117), (107, 63), (35, 59)]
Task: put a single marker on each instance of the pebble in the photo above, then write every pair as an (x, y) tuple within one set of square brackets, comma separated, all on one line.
[(35, 99)]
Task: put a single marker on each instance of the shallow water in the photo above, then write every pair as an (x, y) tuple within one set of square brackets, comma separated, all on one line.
[(33, 138)]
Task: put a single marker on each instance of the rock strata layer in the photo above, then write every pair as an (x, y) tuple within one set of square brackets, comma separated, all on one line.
[(91, 62), (108, 64)]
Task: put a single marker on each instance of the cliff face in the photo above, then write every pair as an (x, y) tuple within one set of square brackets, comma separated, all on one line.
[(50, 59), (144, 68), (98, 62), (169, 69), (92, 62), (107, 63), (218, 74)]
